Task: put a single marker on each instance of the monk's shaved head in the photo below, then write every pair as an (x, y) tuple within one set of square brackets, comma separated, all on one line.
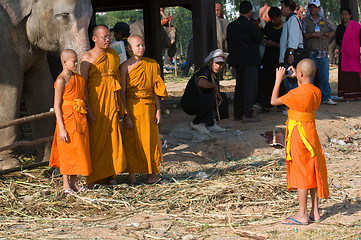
[(307, 67), (99, 28), (66, 54), (132, 39), (136, 44)]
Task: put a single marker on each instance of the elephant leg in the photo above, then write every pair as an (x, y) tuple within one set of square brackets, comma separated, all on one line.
[(38, 94), (10, 92)]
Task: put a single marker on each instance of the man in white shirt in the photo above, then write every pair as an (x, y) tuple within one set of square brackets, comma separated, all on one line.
[(291, 38)]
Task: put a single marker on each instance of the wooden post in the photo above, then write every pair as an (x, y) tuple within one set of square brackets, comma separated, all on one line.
[(204, 29), (152, 31)]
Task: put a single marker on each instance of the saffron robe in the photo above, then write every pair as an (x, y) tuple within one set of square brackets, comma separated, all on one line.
[(142, 143), (73, 158), (306, 164), (106, 147)]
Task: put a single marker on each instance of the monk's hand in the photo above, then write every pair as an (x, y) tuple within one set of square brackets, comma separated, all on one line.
[(294, 73), (280, 74), (158, 117), (128, 122), (90, 116), (64, 136)]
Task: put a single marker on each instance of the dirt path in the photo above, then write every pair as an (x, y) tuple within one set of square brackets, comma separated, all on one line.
[(235, 172)]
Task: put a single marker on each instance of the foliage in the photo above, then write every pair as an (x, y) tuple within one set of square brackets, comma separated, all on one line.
[(111, 18), (182, 21)]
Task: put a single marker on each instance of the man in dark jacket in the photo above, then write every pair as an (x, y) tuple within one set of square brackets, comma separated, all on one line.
[(243, 40)]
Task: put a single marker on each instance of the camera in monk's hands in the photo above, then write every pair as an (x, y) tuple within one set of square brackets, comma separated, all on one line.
[(288, 72)]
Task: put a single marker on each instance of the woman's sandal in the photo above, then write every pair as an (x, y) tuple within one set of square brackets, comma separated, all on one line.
[(82, 189), (69, 192)]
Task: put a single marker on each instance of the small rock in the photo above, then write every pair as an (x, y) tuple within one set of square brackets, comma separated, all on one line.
[(28, 198), (135, 225), (189, 237), (339, 142), (201, 175), (20, 226), (200, 153)]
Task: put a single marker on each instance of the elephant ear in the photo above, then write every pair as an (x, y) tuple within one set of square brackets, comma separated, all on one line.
[(17, 9)]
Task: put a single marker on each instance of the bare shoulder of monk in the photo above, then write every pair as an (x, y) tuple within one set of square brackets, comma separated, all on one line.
[(124, 67), (62, 79), (89, 57)]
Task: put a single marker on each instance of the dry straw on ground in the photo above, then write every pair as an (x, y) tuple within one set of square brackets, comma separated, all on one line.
[(246, 193)]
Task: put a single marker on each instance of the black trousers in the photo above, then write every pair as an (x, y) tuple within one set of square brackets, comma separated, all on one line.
[(246, 90), (204, 107)]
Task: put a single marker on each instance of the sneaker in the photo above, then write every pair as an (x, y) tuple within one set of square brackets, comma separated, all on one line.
[(199, 127), (215, 128), (329, 102)]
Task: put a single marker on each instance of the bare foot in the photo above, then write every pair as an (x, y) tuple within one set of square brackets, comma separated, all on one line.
[(315, 216), (132, 178), (297, 220), (153, 178), (112, 182)]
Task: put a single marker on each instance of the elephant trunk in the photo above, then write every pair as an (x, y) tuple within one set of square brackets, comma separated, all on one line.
[(77, 37), (79, 42)]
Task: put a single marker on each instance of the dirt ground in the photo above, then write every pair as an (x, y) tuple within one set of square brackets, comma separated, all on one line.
[(218, 186)]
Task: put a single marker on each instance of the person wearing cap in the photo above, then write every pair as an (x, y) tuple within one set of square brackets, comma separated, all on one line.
[(121, 31), (318, 32), (202, 96), (243, 39)]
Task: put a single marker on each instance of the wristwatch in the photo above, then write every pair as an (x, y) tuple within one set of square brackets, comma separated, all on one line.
[(291, 53)]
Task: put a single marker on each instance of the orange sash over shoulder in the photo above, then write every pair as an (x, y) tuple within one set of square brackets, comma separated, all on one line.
[(106, 147), (306, 164), (142, 143), (73, 158)]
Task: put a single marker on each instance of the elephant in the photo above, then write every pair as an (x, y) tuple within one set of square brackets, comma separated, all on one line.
[(168, 36), (221, 25), (29, 29)]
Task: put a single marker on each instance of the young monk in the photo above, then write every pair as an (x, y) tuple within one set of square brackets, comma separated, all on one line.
[(70, 151), (306, 165), (141, 92)]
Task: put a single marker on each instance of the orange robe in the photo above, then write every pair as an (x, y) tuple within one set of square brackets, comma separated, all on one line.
[(306, 164), (73, 158), (106, 147), (142, 143)]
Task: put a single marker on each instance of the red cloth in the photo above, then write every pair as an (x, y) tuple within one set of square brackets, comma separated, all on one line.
[(350, 53)]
